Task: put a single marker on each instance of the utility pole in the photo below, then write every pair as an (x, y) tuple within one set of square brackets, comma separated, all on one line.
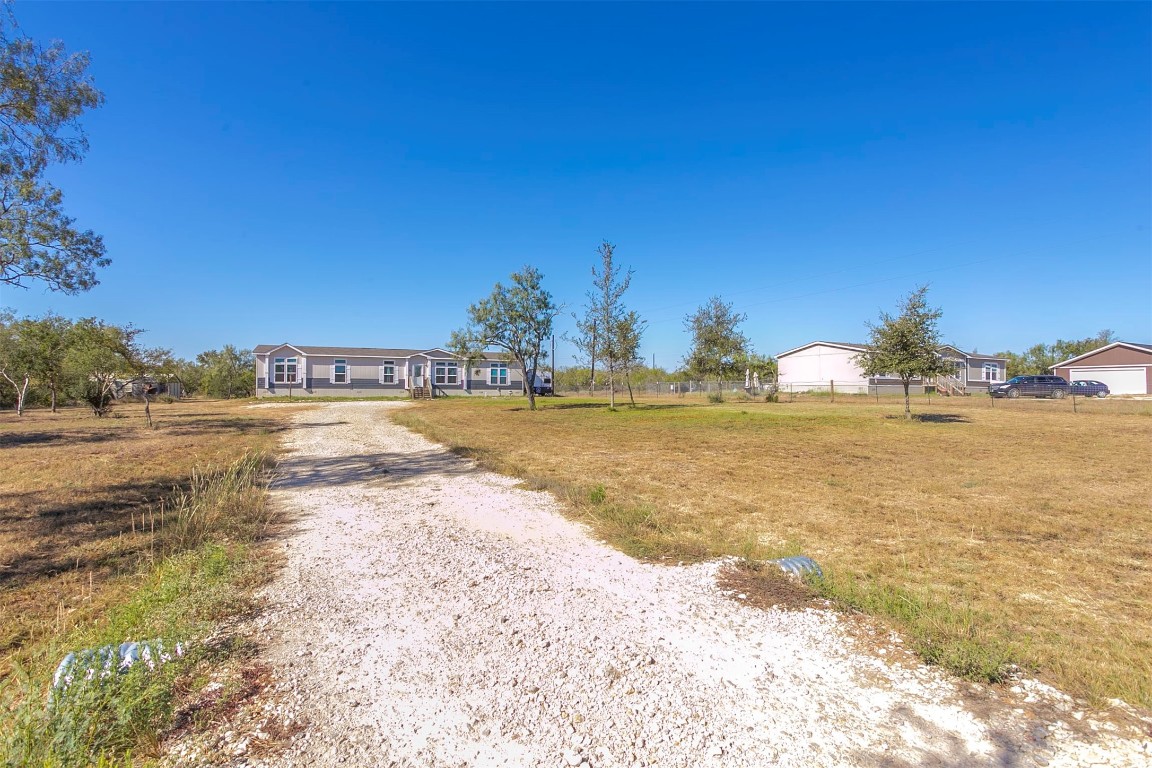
[(553, 364)]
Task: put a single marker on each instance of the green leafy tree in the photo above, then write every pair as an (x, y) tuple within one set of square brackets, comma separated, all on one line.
[(228, 372), (516, 318), (718, 347), (1039, 358), (100, 359), (43, 92), (905, 346), (626, 340), (49, 338)]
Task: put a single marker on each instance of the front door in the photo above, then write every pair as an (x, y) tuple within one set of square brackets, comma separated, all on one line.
[(417, 375)]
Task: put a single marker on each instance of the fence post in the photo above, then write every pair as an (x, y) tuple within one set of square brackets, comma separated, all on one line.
[(832, 389)]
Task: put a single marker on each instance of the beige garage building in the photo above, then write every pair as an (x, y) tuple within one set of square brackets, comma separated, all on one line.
[(1124, 366)]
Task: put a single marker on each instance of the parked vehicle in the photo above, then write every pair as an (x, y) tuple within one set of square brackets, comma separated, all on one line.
[(1090, 388), (1055, 387), (542, 383)]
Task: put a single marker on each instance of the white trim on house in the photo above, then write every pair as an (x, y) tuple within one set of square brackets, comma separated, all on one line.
[(276, 349), (499, 380), (837, 345), (1098, 350), (448, 370), (1116, 365)]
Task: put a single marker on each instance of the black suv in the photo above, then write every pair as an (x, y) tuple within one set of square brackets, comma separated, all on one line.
[(1034, 386)]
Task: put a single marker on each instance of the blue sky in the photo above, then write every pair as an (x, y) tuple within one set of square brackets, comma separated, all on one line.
[(359, 173)]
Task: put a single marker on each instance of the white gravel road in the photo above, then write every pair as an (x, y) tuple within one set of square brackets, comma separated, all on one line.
[(432, 614)]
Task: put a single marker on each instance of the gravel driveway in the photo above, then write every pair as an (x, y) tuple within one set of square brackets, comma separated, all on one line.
[(432, 614)]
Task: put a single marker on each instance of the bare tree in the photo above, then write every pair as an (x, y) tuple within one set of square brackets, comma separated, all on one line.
[(608, 332)]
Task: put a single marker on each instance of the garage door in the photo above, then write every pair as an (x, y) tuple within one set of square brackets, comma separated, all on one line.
[(1122, 381)]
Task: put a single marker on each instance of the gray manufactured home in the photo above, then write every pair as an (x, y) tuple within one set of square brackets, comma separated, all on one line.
[(304, 371)]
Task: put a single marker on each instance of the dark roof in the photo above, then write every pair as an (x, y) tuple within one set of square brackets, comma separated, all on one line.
[(384, 352), (350, 351), (980, 355)]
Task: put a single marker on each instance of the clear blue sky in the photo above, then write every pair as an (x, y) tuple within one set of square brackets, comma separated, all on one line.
[(357, 174)]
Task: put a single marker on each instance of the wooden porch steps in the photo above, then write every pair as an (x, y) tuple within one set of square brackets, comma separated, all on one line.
[(949, 386), (421, 393)]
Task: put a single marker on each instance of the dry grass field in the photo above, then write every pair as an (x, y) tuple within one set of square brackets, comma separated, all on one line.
[(80, 512), (1014, 532)]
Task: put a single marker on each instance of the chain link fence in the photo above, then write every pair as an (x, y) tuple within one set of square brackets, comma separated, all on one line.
[(852, 392)]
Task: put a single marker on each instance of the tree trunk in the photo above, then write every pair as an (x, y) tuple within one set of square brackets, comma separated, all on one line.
[(529, 386), (907, 401), (52, 389), (147, 410), (21, 392), (611, 389), (592, 363), (628, 381)]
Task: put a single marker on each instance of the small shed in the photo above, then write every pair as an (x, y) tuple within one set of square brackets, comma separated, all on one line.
[(1126, 367)]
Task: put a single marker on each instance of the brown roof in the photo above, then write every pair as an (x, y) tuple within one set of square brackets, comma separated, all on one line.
[(1130, 344)]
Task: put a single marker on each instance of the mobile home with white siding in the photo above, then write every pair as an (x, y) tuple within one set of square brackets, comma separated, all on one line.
[(821, 365)]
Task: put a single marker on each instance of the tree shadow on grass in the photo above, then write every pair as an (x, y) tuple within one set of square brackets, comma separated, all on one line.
[(25, 439), (52, 530), (604, 406), (935, 418), (241, 426)]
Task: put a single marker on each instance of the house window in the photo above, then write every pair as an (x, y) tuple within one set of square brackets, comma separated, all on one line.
[(339, 371), (447, 373), (388, 372), (498, 374), (991, 372), (284, 370)]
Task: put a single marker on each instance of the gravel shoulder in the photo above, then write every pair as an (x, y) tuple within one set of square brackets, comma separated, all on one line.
[(432, 614)]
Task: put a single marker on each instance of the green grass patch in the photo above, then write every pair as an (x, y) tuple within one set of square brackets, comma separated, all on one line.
[(205, 575), (954, 637)]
